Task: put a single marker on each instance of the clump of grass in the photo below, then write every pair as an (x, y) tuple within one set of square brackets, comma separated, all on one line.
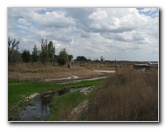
[(128, 95), (62, 106)]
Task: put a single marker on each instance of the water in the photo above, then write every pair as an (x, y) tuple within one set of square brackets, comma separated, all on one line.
[(36, 111), (39, 109), (39, 106)]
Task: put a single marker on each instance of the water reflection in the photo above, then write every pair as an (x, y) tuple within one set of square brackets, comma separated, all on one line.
[(39, 106), (36, 111)]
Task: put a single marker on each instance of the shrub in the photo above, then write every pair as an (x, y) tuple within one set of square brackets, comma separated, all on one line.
[(126, 96), (26, 56), (63, 57)]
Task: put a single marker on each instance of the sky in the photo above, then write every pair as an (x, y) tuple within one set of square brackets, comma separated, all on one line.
[(114, 33)]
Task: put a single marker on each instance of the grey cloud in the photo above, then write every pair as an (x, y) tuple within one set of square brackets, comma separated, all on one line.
[(121, 38), (85, 35), (120, 32), (121, 29), (64, 39), (81, 17), (104, 27)]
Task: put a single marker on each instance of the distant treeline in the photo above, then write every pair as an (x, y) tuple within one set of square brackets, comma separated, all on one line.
[(44, 55)]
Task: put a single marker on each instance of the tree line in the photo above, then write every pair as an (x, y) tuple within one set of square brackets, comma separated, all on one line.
[(44, 55)]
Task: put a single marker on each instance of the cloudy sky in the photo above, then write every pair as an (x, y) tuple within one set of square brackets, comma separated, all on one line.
[(114, 33)]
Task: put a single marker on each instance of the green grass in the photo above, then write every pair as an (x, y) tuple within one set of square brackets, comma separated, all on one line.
[(62, 106), (18, 90)]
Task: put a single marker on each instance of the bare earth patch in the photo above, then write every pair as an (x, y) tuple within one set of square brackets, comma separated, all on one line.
[(83, 106)]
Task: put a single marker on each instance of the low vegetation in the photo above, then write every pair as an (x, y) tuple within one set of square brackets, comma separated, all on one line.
[(62, 106), (128, 95), (37, 71), (19, 90)]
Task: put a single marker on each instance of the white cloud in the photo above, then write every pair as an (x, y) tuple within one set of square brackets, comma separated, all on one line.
[(53, 19), (119, 33), (43, 33), (23, 22), (98, 15)]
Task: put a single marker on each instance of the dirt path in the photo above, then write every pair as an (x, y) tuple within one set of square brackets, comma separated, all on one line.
[(73, 79), (83, 106)]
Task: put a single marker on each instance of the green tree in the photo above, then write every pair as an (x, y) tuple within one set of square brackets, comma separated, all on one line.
[(26, 56), (34, 54), (13, 53), (81, 58), (51, 51), (63, 57), (44, 52)]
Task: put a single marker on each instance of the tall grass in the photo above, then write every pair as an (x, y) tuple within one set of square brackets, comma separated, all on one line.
[(37, 71), (128, 95)]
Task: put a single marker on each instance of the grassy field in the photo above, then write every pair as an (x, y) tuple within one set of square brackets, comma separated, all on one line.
[(17, 91), (127, 95), (37, 71), (62, 106)]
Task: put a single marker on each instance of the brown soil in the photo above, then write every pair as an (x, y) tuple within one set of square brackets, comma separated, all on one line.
[(83, 106)]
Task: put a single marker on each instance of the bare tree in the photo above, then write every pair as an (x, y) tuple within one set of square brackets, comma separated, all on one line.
[(101, 58), (13, 53)]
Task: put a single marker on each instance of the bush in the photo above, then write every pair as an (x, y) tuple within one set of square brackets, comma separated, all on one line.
[(126, 96), (81, 58), (26, 56), (63, 57)]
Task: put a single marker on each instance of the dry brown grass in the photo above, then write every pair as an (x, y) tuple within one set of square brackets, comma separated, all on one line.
[(36, 71), (128, 95)]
